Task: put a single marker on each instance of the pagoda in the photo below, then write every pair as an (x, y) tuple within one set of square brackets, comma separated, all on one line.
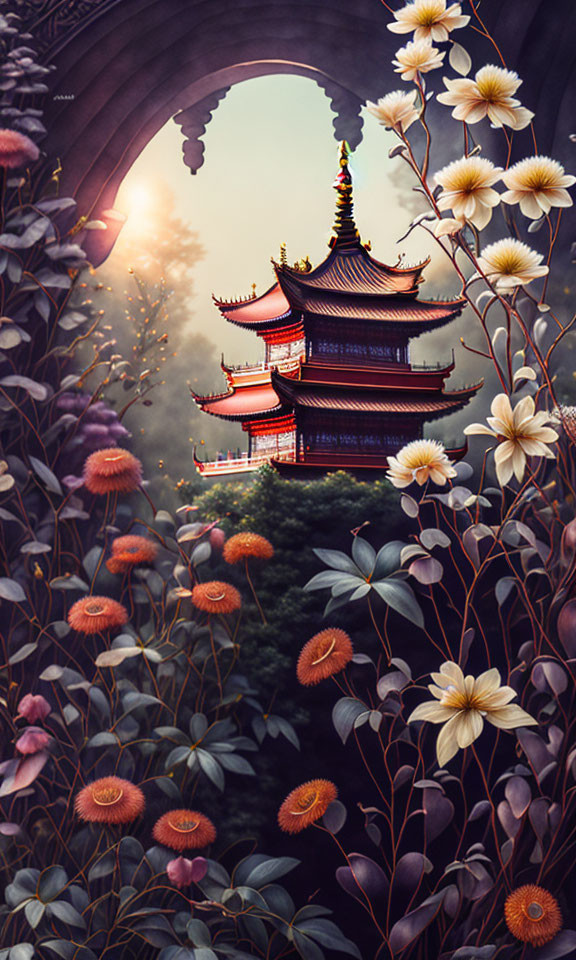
[(336, 388)]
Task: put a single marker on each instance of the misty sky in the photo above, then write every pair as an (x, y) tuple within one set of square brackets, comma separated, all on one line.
[(270, 161)]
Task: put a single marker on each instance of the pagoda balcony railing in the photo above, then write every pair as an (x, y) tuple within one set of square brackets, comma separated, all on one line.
[(244, 463), (287, 363), (430, 366)]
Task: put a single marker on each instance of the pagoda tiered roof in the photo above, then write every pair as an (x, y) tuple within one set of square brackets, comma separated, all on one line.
[(414, 316), (243, 402), (357, 398), (351, 270), (256, 312), (391, 376)]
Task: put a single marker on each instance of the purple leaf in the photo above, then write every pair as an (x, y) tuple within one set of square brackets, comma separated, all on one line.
[(362, 874), (518, 795), (412, 925), (409, 871), (344, 715), (426, 570), (479, 809), (439, 811), (10, 829), (431, 537), (467, 641), (11, 590), (507, 819), (36, 390), (538, 815), (566, 627), (560, 946), (549, 675), (390, 682), (26, 774), (452, 900), (402, 776), (475, 881), (8, 767), (556, 676), (335, 817), (555, 815), (535, 749), (475, 953)]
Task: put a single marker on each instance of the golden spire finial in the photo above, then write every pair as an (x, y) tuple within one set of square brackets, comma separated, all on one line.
[(253, 291), (344, 227), (283, 257)]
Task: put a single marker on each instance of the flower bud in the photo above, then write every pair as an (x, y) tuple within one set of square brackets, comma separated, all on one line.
[(182, 872), (217, 538), (32, 740), (34, 707)]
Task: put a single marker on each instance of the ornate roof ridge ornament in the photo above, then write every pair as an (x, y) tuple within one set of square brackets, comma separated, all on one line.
[(345, 231)]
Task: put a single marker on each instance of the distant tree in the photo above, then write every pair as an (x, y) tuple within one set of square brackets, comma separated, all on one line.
[(145, 351)]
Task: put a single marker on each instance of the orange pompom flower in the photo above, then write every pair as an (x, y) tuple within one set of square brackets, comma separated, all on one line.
[(16, 149), (532, 915), (131, 551), (97, 615), (325, 654), (244, 545), (216, 597), (306, 804), (112, 470), (184, 830), (110, 800)]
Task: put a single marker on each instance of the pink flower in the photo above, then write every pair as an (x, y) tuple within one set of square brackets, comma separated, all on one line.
[(182, 872), (16, 149), (34, 707), (32, 740)]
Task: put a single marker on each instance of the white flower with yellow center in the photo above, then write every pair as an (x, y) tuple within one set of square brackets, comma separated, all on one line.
[(520, 433), (490, 94), (429, 19), (510, 263), (537, 184), (395, 111), (418, 56), (467, 189), (463, 703), (419, 461)]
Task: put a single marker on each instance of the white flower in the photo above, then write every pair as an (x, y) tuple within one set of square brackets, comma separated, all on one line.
[(463, 705), (490, 95), (395, 111), (6, 478), (429, 19), (418, 56), (419, 461), (510, 263), (520, 433), (537, 184), (448, 226), (466, 189)]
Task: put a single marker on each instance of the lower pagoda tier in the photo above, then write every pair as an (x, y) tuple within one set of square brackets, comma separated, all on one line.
[(337, 389)]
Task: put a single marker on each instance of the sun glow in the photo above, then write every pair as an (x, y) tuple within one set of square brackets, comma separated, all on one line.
[(137, 201)]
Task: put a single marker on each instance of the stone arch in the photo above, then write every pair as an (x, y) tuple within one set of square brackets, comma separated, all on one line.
[(141, 62), (124, 67)]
